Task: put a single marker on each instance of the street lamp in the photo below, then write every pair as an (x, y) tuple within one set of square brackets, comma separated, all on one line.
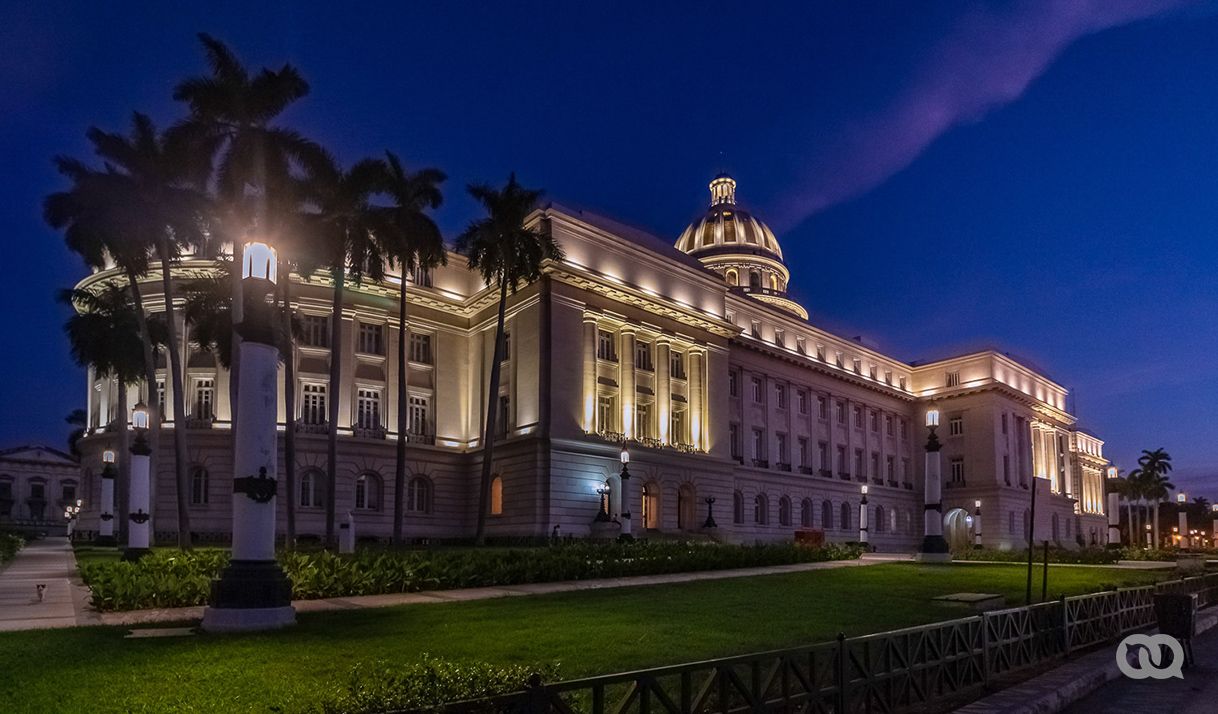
[(977, 523), (253, 593), (624, 517), (71, 512), (139, 499), (105, 524), (1148, 536), (1182, 504), (602, 515), (710, 513), (863, 517), (934, 547)]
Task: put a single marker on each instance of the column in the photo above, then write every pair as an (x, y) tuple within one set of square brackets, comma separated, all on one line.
[(934, 547), (590, 388), (139, 495), (664, 392), (863, 518), (697, 400), (1114, 519), (626, 381), (346, 381), (105, 525)]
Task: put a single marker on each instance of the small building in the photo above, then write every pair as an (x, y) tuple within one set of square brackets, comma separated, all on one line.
[(36, 484)]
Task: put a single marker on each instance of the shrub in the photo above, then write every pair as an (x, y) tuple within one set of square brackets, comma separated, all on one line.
[(175, 579), (426, 685), (1087, 556), (10, 543)]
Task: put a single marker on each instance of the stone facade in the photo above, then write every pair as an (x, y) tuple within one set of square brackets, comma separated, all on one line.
[(36, 484)]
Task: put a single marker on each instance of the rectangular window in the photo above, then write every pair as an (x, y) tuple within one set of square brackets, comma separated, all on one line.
[(606, 412), (758, 444), (606, 347), (888, 376), (733, 383), (822, 455), (676, 365), (368, 408), (780, 396), (820, 352), (756, 329), (957, 471), (421, 277), (802, 397), (642, 356), (1006, 469), (313, 404), (955, 426), (904, 429), (902, 380), (858, 365), (734, 440), (801, 345), (838, 360), (858, 417), (875, 464), (783, 456), (803, 452), (205, 398), (875, 422), (872, 371), (822, 407), (503, 420), (906, 476), (841, 460), (758, 396), (888, 424), (952, 379), (676, 427), (316, 329), (780, 338), (160, 397), (1004, 422), (418, 415), (858, 464), (890, 467), (642, 421), (371, 339), (841, 412), (420, 348), (507, 347)]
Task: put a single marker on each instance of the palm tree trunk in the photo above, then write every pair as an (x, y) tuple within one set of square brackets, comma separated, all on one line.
[(1156, 524), (180, 452), (488, 438), (336, 357), (1133, 541), (399, 467), (122, 484), (289, 406), (236, 311), (155, 418)]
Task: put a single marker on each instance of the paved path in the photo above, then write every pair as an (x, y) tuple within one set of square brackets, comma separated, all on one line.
[(64, 604)]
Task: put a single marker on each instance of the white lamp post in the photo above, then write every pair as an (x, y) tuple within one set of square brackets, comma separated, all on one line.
[(863, 516), (1114, 509), (977, 523), (105, 519), (1182, 503), (934, 547), (253, 593), (624, 517), (139, 490)]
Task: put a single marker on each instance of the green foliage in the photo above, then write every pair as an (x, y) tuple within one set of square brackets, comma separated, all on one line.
[(1086, 556), (175, 579), (10, 543), (427, 684)]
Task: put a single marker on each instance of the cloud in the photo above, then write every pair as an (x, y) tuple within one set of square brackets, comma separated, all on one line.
[(987, 60)]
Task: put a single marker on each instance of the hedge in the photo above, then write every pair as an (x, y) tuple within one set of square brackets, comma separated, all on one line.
[(10, 543)]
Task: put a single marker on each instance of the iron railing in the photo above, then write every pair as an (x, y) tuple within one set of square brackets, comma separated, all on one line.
[(883, 672)]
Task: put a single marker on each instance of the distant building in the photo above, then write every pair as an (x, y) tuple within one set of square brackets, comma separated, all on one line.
[(695, 356), (36, 484)]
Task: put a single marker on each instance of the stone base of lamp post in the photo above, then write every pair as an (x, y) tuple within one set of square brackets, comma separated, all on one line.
[(105, 541), (250, 595), (605, 530)]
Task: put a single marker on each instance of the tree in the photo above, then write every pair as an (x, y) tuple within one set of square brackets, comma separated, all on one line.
[(348, 229), (414, 243), (1154, 467), (79, 420), (506, 253)]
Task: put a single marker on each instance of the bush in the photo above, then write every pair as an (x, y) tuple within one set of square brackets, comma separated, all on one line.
[(175, 579), (1085, 556), (10, 543), (426, 685)]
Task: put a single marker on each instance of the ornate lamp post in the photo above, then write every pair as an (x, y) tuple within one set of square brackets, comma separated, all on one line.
[(710, 514), (253, 593), (139, 490), (71, 513), (1148, 536), (1114, 509), (105, 520), (977, 523), (602, 516), (1182, 503), (624, 517), (934, 547), (863, 516)]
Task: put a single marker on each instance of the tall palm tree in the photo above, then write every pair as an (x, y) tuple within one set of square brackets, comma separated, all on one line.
[(349, 230), (415, 243), (104, 333), (79, 421), (1154, 466), (506, 253)]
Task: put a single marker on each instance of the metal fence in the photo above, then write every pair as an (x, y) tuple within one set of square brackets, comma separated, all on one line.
[(883, 672)]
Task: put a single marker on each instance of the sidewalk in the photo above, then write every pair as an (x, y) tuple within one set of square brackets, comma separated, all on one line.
[(65, 601)]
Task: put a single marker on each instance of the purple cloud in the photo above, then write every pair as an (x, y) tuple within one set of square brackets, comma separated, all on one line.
[(987, 60)]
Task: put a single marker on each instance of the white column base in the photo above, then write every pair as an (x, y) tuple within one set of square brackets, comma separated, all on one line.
[(251, 619)]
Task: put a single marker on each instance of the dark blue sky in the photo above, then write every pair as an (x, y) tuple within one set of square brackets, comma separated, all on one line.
[(1037, 176)]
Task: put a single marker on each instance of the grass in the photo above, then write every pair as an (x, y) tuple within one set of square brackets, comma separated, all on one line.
[(589, 632)]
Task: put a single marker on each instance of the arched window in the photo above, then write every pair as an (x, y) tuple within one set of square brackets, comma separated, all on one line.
[(879, 519), (687, 507), (418, 495), (773, 282), (737, 507), (367, 492), (754, 280), (784, 511), (761, 510), (826, 515), (892, 518), (497, 496), (733, 278), (312, 489), (651, 505), (805, 513), (845, 516), (199, 482)]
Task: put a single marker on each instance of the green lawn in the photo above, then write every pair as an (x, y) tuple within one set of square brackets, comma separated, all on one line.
[(590, 632)]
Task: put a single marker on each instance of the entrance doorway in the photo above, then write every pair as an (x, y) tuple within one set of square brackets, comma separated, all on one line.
[(957, 529)]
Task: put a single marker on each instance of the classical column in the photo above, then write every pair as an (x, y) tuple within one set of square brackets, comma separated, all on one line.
[(664, 392), (626, 381), (863, 517), (139, 506), (590, 389), (624, 517), (1182, 504), (252, 592), (977, 523), (934, 547), (1114, 511), (697, 400), (105, 523)]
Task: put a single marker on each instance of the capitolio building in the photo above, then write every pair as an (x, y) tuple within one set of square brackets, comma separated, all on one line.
[(741, 419)]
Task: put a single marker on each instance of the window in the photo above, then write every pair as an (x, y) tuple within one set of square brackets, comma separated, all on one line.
[(888, 424), (368, 408), (676, 426), (888, 376), (205, 399), (420, 348), (822, 455), (737, 507), (507, 347), (822, 407), (820, 352), (642, 356), (902, 380), (784, 511), (418, 415), (676, 366), (734, 440), (803, 451), (756, 329), (421, 277), (858, 365), (904, 429), (805, 513), (1004, 422), (801, 398), (606, 410), (905, 474), (780, 338), (952, 379), (503, 419), (955, 426), (315, 331), (733, 383), (841, 412), (826, 515), (875, 464), (367, 492), (605, 347), (758, 397), (841, 460), (418, 495), (845, 521), (872, 371), (780, 396), (890, 468), (313, 404), (782, 448), (1006, 469), (160, 397), (311, 489), (371, 339), (957, 471), (858, 417), (758, 444), (837, 358), (642, 421), (761, 509), (198, 486), (67, 492), (875, 422), (801, 345), (497, 496), (858, 464)]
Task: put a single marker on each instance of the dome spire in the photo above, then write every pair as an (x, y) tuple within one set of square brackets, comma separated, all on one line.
[(723, 190)]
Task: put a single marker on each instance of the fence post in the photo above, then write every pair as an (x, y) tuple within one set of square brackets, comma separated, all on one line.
[(985, 651), (536, 695), (1065, 627), (840, 673)]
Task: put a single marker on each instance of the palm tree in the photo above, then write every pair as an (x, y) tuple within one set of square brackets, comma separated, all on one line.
[(1154, 467), (416, 243), (104, 333), (79, 420), (351, 232), (507, 253)]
